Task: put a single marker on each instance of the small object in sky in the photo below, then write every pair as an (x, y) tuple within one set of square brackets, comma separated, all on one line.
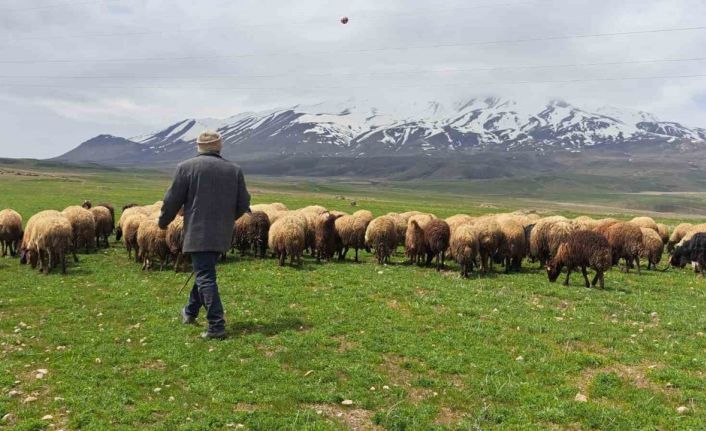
[(344, 20)]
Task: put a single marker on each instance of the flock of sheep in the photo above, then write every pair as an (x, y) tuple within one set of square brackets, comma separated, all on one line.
[(473, 242)]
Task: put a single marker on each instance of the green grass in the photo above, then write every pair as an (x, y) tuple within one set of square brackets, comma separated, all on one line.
[(441, 352)]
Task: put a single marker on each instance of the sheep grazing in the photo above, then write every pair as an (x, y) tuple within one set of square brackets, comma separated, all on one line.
[(514, 246), (464, 247), (175, 241), (646, 222), (457, 220), (693, 250), (240, 240), (663, 231), (677, 235), (548, 233), (350, 233), (437, 235), (274, 211), (83, 225), (152, 244), (582, 249), (652, 247), (693, 230), (257, 232), (625, 241), (604, 224), (490, 238), (131, 224), (316, 209), (381, 238), (400, 226), (88, 205), (47, 239), (310, 216), (10, 232), (325, 237), (364, 215), (287, 238), (104, 224)]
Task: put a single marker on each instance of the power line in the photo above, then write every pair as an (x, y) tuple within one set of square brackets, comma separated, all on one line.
[(364, 50), (524, 82), (375, 73)]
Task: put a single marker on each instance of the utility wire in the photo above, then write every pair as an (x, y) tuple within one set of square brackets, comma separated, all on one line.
[(375, 73), (564, 81), (364, 50)]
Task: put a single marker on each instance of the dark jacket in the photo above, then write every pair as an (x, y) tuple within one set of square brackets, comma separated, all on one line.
[(212, 191)]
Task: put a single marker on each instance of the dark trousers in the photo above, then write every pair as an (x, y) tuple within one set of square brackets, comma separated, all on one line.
[(205, 291)]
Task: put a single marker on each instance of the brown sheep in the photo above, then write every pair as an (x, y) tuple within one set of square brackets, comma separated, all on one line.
[(490, 238), (52, 240), (414, 243), (625, 241), (258, 229), (83, 225), (175, 241), (693, 230), (458, 220), (350, 232), (545, 238), (381, 238), (464, 247), (364, 215), (436, 240), (104, 224), (646, 222), (152, 243), (652, 247), (514, 247), (585, 223), (288, 237), (603, 225), (663, 231), (10, 232), (240, 240), (325, 237), (582, 249), (88, 205), (28, 253), (401, 226)]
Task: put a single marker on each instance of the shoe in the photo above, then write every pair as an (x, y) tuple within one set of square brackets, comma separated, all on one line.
[(213, 335), (187, 319)]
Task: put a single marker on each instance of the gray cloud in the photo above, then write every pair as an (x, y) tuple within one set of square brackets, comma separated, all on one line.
[(224, 43)]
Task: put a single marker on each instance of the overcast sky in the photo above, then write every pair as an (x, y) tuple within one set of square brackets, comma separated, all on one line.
[(72, 69)]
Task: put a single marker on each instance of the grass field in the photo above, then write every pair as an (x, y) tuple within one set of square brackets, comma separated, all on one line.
[(411, 348)]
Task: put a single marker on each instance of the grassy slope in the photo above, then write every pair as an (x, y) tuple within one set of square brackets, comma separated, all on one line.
[(305, 339)]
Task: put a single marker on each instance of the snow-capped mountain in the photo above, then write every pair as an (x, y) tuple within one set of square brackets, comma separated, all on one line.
[(359, 129)]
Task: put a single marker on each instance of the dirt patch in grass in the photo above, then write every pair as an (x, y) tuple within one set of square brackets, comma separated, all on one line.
[(635, 374), (344, 345), (449, 418), (353, 418)]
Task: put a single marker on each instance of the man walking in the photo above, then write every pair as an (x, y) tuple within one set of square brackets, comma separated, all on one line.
[(213, 194)]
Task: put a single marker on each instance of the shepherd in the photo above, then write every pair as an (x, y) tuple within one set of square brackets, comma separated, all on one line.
[(212, 192)]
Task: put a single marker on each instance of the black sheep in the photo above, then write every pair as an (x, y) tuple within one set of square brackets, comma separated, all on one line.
[(693, 250)]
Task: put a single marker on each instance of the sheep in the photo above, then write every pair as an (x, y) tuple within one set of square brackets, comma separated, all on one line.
[(693, 230), (83, 225), (258, 227), (381, 238), (436, 241), (175, 241), (325, 237), (646, 222), (625, 241), (338, 213), (128, 210), (457, 220), (693, 250), (152, 244), (490, 237), (547, 235), (273, 211), (88, 205), (400, 226), (677, 235), (10, 232), (414, 243), (514, 246), (103, 222), (28, 254), (585, 223), (278, 206), (316, 209), (350, 233), (464, 247), (288, 237), (52, 239), (603, 225), (241, 239), (652, 247), (131, 224), (364, 215), (663, 231), (310, 216), (582, 249)]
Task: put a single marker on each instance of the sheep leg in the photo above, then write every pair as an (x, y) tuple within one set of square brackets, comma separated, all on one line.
[(282, 257), (637, 264), (595, 279), (602, 278), (568, 273), (443, 258), (4, 252), (62, 257), (585, 276)]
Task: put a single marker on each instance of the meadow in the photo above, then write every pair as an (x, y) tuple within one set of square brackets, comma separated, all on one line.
[(336, 346)]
